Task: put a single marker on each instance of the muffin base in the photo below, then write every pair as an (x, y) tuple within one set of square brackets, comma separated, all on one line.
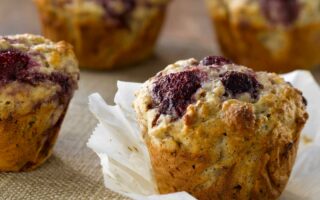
[(27, 141), (229, 157), (97, 45), (184, 166), (246, 44)]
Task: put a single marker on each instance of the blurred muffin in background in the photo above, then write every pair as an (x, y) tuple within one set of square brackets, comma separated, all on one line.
[(273, 35), (37, 81), (105, 33)]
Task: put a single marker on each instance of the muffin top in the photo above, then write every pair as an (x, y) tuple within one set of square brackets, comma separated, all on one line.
[(188, 93), (35, 70), (271, 12), (113, 12)]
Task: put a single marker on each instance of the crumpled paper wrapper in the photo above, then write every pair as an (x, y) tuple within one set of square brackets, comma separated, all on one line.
[(126, 163)]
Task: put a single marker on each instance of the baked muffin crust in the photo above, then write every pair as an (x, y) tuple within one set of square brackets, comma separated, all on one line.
[(115, 13), (105, 34), (265, 12), (46, 69), (236, 137), (273, 35), (37, 82)]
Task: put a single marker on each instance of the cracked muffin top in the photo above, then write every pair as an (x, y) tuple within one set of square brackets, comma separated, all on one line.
[(113, 12), (188, 94), (35, 70), (274, 12)]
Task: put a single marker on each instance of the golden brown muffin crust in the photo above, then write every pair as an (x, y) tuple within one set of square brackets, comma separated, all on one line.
[(102, 41), (225, 145), (250, 38), (37, 83)]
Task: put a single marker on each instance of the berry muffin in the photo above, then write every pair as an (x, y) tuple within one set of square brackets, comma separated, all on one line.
[(105, 33), (219, 130), (274, 35), (37, 81)]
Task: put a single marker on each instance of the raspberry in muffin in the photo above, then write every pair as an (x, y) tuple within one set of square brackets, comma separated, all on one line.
[(219, 130), (37, 81), (105, 33), (274, 35)]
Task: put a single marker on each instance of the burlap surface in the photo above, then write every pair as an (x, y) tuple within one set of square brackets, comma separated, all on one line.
[(73, 172)]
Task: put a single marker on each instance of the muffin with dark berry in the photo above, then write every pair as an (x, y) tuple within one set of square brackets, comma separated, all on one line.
[(37, 81), (219, 130), (275, 35), (105, 33)]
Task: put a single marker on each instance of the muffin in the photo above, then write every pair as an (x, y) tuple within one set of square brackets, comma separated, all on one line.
[(37, 81), (105, 33), (219, 130), (274, 35)]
